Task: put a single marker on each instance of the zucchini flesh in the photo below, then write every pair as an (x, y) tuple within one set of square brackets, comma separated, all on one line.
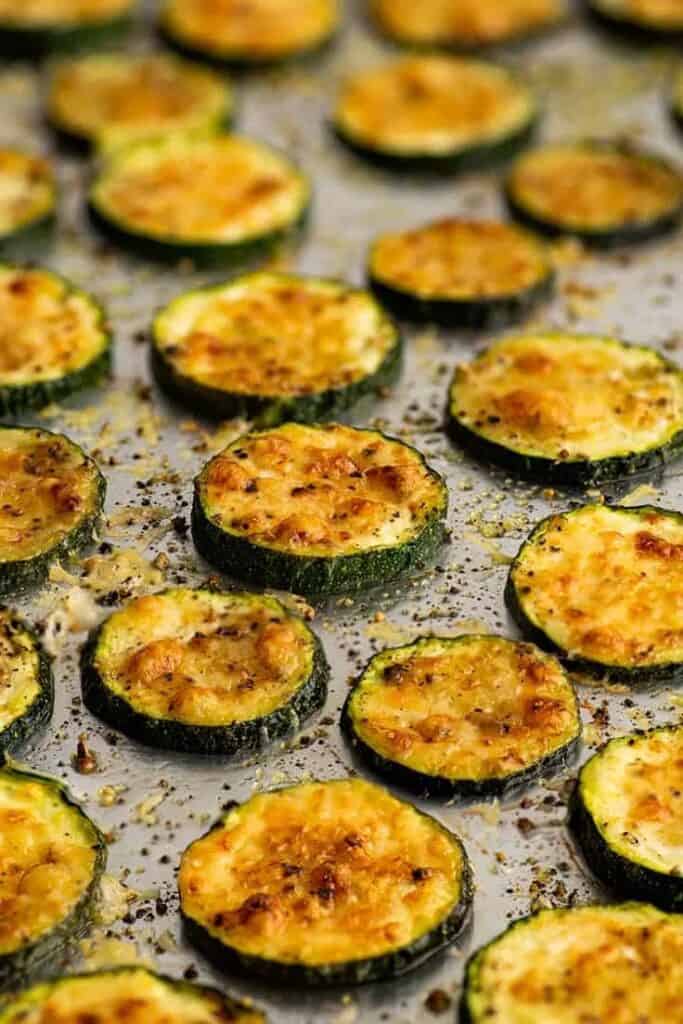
[(51, 859), (318, 509), (362, 886), (602, 193), (641, 17), (210, 200), (39, 27), (468, 717), (275, 346), (569, 408), (599, 584), (26, 689), (125, 994), (622, 962), (434, 112), (627, 813), (27, 196), (461, 273), (465, 24), (206, 672)]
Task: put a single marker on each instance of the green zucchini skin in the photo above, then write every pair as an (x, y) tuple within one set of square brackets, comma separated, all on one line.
[(30, 241), (629, 29), (34, 43), (243, 64), (18, 732)]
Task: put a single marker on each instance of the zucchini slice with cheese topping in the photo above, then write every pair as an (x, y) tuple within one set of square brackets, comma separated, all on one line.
[(26, 687), (55, 339), (204, 672), (126, 994), (211, 200), (249, 34), (325, 883), (627, 814), (52, 496), (114, 99), (51, 859), (435, 113), (621, 962), (473, 716), (602, 193), (659, 20), (28, 198), (274, 346), (461, 273), (567, 408), (318, 509), (34, 28), (599, 584)]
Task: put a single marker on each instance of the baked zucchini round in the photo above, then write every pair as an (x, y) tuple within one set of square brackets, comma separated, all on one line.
[(622, 962), (51, 859), (34, 28), (599, 584), (52, 497), (318, 509), (567, 408), (204, 672), (28, 199), (55, 339), (434, 113), (250, 34), (473, 716), (124, 994), (115, 99), (461, 273), (465, 24), (274, 346), (602, 193), (26, 687), (626, 813), (325, 883), (211, 200), (659, 20)]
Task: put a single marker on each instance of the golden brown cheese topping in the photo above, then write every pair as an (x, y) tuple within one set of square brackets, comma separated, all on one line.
[(460, 259), (664, 14), (322, 873), (277, 335), (594, 188), (320, 491), (432, 105), (27, 190), (19, 670), (605, 584), (478, 707), (61, 12), (465, 22), (251, 29), (565, 397)]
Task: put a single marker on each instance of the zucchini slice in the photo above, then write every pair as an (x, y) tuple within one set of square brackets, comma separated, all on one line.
[(26, 687), (55, 339), (28, 198), (34, 28), (125, 994), (275, 346), (434, 113), (210, 200), (599, 584), (642, 19), (627, 811), (250, 34), (204, 672), (461, 273), (325, 883), (52, 497), (602, 193), (465, 24), (318, 509), (622, 962), (468, 717), (115, 99), (567, 408), (51, 859)]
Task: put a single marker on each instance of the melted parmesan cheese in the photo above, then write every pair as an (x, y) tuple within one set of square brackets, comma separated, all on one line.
[(594, 188), (225, 189), (27, 190), (569, 397), (620, 964), (607, 584), (269, 334), (320, 491), (472, 708), (322, 873), (28, 13), (465, 22), (432, 105), (19, 670), (460, 259), (203, 658), (657, 14)]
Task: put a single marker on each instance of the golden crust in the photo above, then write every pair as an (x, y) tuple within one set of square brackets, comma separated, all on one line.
[(465, 22), (27, 190), (60, 12)]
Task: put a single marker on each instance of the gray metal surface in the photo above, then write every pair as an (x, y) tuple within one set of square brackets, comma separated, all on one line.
[(149, 451)]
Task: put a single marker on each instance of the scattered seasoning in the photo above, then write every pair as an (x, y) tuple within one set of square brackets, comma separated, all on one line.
[(85, 760), (438, 1001)]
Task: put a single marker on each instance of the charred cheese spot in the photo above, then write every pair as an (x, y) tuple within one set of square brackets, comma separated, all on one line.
[(60, 12), (465, 23), (662, 15), (20, 671), (27, 190)]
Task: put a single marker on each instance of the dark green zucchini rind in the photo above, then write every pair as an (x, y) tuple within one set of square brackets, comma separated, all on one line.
[(242, 64), (675, 99), (17, 729), (19, 42), (27, 227), (631, 28)]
